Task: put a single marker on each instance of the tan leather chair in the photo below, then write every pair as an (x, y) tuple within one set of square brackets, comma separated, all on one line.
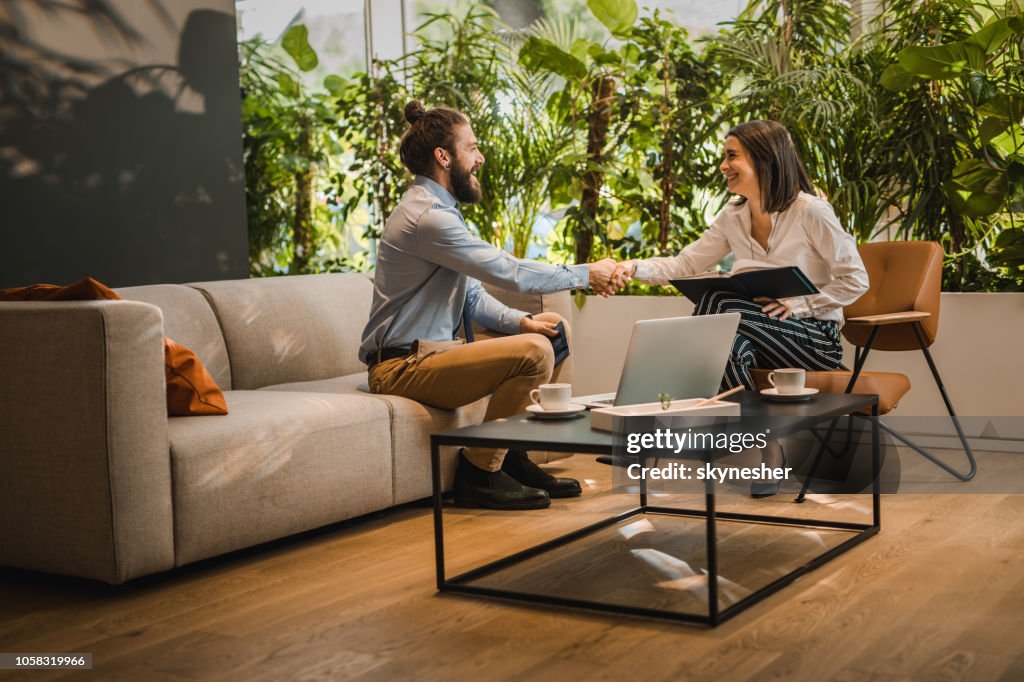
[(899, 312)]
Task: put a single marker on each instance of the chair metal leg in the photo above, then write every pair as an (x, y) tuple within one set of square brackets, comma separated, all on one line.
[(801, 498), (929, 456), (860, 356), (919, 332), (826, 447)]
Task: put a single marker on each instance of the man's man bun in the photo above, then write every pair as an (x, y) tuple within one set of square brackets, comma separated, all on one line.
[(414, 111)]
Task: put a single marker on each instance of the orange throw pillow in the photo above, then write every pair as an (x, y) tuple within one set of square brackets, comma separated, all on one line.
[(190, 388), (86, 289)]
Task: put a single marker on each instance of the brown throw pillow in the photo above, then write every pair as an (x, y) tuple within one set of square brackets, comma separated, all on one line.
[(86, 289), (190, 388)]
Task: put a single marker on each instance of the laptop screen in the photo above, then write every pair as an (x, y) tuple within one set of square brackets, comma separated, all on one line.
[(683, 357)]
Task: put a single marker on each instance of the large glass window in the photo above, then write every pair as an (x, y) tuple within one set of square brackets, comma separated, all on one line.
[(337, 29), (697, 16)]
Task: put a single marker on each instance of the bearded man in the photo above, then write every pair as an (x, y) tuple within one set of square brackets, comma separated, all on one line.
[(428, 280)]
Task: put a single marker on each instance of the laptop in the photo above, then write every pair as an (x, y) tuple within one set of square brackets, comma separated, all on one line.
[(682, 356)]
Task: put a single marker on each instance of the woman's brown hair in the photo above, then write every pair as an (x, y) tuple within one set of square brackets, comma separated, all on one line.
[(428, 130), (780, 175)]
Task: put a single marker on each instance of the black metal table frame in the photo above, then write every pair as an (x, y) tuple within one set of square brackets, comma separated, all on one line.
[(715, 614)]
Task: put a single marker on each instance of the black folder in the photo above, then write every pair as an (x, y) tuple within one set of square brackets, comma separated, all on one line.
[(560, 344), (769, 282)]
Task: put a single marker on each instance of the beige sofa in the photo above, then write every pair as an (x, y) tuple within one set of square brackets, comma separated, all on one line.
[(96, 480)]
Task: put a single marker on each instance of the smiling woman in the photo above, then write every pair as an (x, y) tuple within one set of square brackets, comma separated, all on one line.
[(775, 221), (759, 161)]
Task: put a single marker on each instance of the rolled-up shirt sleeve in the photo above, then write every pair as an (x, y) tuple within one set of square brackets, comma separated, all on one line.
[(444, 239), (490, 312), (694, 259), (839, 250)]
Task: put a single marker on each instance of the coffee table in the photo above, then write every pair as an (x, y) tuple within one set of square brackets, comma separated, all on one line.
[(577, 436)]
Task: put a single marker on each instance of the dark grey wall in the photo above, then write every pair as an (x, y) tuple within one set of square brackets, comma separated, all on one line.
[(120, 142)]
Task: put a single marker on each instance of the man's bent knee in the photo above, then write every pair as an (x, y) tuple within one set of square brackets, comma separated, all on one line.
[(556, 319), (538, 353)]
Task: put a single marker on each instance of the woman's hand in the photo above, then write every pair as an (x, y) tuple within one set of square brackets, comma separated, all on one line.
[(774, 308)]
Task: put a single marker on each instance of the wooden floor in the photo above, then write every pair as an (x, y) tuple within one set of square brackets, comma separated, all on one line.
[(939, 594)]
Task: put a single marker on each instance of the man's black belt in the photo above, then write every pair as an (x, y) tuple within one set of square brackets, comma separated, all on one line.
[(382, 354)]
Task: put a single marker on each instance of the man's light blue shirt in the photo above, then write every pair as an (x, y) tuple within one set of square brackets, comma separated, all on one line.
[(429, 267)]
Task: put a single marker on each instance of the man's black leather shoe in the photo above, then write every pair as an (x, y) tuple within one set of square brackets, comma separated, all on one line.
[(475, 487), (520, 467)]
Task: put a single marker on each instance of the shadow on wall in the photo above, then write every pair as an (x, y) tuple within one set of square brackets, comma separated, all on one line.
[(130, 175)]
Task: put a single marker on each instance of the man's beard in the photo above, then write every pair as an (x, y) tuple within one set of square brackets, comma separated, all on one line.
[(464, 185)]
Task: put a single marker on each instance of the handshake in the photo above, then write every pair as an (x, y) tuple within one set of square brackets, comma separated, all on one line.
[(608, 277)]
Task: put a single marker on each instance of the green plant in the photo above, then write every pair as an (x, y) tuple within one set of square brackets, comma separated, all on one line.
[(793, 62), (370, 121), (587, 106), (886, 157), (672, 101), (288, 145), (929, 124), (468, 62), (1007, 252), (983, 73)]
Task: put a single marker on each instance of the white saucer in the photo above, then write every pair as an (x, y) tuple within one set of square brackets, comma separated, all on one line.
[(773, 394), (571, 411)]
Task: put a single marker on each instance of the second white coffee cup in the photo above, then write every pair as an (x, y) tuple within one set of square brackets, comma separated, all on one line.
[(788, 381), (552, 397)]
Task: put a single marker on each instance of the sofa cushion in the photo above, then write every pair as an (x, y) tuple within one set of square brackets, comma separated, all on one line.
[(189, 320), (286, 329), (279, 463), (411, 426)]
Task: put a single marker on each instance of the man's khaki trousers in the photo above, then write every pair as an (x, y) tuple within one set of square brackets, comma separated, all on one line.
[(506, 369)]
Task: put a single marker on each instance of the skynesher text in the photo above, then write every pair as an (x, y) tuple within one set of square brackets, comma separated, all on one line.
[(708, 472)]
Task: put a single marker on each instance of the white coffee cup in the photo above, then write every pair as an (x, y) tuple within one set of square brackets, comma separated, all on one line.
[(788, 381), (552, 397)]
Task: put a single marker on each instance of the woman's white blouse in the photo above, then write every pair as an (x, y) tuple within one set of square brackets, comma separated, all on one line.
[(807, 234)]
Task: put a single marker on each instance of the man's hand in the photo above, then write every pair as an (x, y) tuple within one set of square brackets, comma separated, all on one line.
[(624, 272), (530, 325), (774, 308), (601, 277)]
